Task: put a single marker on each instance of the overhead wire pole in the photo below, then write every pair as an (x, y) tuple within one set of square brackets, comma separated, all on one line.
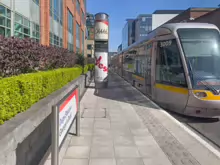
[(12, 17)]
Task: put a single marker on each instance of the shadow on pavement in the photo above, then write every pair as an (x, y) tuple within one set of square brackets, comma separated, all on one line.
[(120, 91), (189, 119)]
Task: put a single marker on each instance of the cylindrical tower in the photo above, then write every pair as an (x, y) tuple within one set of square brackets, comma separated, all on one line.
[(101, 49)]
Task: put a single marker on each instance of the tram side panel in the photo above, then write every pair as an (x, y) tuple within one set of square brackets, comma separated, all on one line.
[(128, 67), (138, 76), (170, 87)]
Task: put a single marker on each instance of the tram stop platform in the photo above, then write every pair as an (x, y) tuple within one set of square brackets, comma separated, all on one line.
[(121, 126)]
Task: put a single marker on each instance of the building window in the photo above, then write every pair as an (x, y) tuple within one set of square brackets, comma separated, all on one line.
[(70, 29), (89, 55), (61, 42), (5, 21), (55, 11), (21, 27), (36, 1), (70, 22), (61, 12), (55, 40), (169, 69), (51, 8), (36, 32), (78, 6), (70, 47), (77, 37), (51, 38), (89, 47)]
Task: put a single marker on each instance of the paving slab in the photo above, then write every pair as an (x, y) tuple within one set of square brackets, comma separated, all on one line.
[(99, 151), (130, 161), (120, 126), (102, 162), (77, 152), (75, 162)]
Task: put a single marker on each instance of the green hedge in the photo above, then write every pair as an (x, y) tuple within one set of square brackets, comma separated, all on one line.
[(19, 93)]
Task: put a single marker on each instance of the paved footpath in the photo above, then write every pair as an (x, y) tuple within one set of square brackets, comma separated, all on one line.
[(120, 126)]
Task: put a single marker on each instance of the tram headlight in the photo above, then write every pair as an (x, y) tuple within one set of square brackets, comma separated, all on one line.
[(201, 94)]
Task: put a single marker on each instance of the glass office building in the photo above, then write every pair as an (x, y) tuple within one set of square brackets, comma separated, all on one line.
[(16, 19), (128, 33), (143, 25), (60, 23)]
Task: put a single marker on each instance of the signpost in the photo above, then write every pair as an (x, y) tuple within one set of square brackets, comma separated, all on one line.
[(63, 115)]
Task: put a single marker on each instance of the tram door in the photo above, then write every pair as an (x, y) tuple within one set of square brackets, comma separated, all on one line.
[(170, 88), (148, 69)]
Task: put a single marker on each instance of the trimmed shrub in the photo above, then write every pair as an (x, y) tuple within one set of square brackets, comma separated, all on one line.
[(19, 93), (18, 56)]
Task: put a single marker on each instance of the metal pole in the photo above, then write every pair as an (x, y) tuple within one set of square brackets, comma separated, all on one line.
[(59, 10), (78, 115), (12, 17), (55, 136)]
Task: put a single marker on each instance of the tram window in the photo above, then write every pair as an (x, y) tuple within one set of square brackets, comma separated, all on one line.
[(169, 67)]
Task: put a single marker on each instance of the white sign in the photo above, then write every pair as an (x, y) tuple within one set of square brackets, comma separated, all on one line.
[(101, 66), (67, 113), (101, 30)]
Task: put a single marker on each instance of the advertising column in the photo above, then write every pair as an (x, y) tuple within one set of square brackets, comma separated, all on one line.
[(101, 50)]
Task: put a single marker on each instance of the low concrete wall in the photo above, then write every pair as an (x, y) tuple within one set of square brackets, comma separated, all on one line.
[(25, 139)]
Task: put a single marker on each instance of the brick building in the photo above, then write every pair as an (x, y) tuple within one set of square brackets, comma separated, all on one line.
[(211, 17), (190, 14)]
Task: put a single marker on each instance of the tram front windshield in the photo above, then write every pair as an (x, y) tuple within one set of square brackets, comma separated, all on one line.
[(202, 52)]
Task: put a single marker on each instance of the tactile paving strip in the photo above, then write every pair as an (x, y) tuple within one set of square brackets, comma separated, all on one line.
[(175, 151)]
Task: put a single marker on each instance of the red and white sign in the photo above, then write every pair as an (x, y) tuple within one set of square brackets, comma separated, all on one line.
[(101, 30), (67, 113), (101, 66)]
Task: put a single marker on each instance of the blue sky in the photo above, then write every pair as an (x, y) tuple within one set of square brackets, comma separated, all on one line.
[(120, 10)]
